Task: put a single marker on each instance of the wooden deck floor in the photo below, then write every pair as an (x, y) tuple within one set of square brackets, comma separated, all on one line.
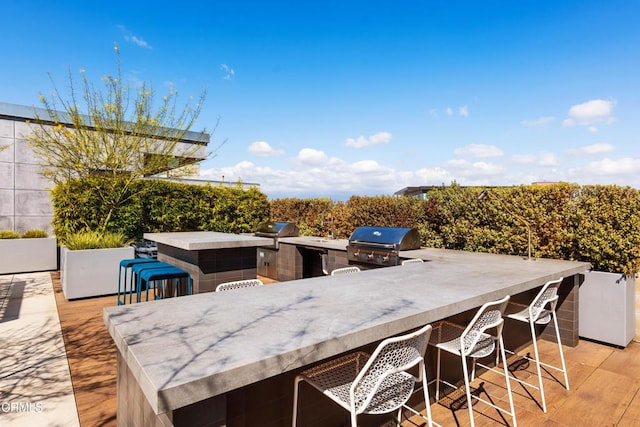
[(605, 381)]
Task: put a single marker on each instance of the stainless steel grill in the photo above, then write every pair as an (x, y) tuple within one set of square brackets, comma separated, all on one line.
[(381, 246), (275, 230)]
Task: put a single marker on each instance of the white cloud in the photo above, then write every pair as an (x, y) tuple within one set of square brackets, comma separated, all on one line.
[(548, 160), (367, 167), (375, 139), (593, 149), (623, 166), (463, 111), (590, 114), (478, 151), (130, 38), (524, 159), (541, 121), (464, 168), (431, 176), (263, 149), (315, 172), (312, 157), (229, 73)]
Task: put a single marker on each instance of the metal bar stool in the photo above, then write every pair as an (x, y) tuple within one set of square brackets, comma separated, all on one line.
[(239, 284), (345, 270), (128, 279), (137, 269), (479, 339), (376, 384), (540, 312), (153, 275)]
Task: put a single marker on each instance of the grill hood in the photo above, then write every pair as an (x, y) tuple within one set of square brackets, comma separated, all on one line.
[(399, 239), (277, 229)]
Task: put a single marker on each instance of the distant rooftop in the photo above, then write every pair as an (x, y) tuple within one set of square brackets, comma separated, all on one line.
[(24, 113)]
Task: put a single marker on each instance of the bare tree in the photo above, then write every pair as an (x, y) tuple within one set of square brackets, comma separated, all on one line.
[(118, 132)]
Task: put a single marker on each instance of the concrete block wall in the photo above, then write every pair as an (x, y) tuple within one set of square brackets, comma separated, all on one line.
[(25, 202)]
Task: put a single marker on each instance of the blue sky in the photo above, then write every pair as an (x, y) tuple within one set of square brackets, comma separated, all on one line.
[(340, 98)]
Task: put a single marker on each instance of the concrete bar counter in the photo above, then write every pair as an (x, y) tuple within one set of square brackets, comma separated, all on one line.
[(210, 257), (203, 359)]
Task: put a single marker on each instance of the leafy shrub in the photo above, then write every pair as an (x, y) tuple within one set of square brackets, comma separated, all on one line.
[(95, 240), (156, 206), (34, 234), (9, 234)]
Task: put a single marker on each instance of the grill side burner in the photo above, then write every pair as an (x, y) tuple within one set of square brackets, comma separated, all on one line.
[(381, 246)]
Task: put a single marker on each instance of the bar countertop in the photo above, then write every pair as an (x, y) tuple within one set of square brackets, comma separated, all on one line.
[(187, 349), (203, 240)]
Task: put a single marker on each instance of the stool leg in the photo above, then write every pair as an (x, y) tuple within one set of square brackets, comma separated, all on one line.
[(564, 367), (438, 376), (139, 290), (506, 377), (538, 369), (134, 280), (119, 279), (467, 386)]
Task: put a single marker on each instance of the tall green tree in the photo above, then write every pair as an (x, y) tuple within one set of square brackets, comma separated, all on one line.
[(116, 132)]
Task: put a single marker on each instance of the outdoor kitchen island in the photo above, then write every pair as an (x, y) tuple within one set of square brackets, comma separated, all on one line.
[(230, 358), (210, 257)]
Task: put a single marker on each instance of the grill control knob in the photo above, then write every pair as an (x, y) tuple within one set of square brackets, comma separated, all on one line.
[(356, 254), (385, 258), (370, 256)]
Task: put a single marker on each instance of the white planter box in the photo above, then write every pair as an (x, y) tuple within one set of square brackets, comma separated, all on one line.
[(27, 255), (607, 308), (91, 272)]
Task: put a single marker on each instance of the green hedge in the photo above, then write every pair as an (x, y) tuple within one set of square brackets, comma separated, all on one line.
[(157, 206), (599, 224)]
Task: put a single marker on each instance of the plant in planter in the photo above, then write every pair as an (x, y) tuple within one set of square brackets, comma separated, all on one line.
[(90, 263), (607, 234), (30, 251)]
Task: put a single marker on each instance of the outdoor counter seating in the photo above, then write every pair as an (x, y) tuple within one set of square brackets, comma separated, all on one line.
[(232, 347), (138, 274)]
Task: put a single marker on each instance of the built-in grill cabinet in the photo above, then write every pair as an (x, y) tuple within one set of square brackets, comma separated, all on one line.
[(267, 257)]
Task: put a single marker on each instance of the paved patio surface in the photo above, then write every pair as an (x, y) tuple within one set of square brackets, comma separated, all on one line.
[(35, 384)]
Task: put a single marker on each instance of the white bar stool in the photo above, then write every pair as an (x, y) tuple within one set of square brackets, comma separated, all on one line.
[(345, 270), (239, 284), (376, 384), (540, 312), (412, 261), (477, 340)]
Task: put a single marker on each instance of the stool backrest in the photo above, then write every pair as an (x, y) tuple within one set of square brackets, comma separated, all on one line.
[(392, 355), (239, 284), (412, 261), (345, 270), (547, 295), (480, 336)]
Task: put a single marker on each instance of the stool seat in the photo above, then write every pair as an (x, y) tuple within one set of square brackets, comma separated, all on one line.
[(160, 273)]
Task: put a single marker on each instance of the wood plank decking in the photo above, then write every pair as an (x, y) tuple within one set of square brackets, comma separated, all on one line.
[(605, 381)]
